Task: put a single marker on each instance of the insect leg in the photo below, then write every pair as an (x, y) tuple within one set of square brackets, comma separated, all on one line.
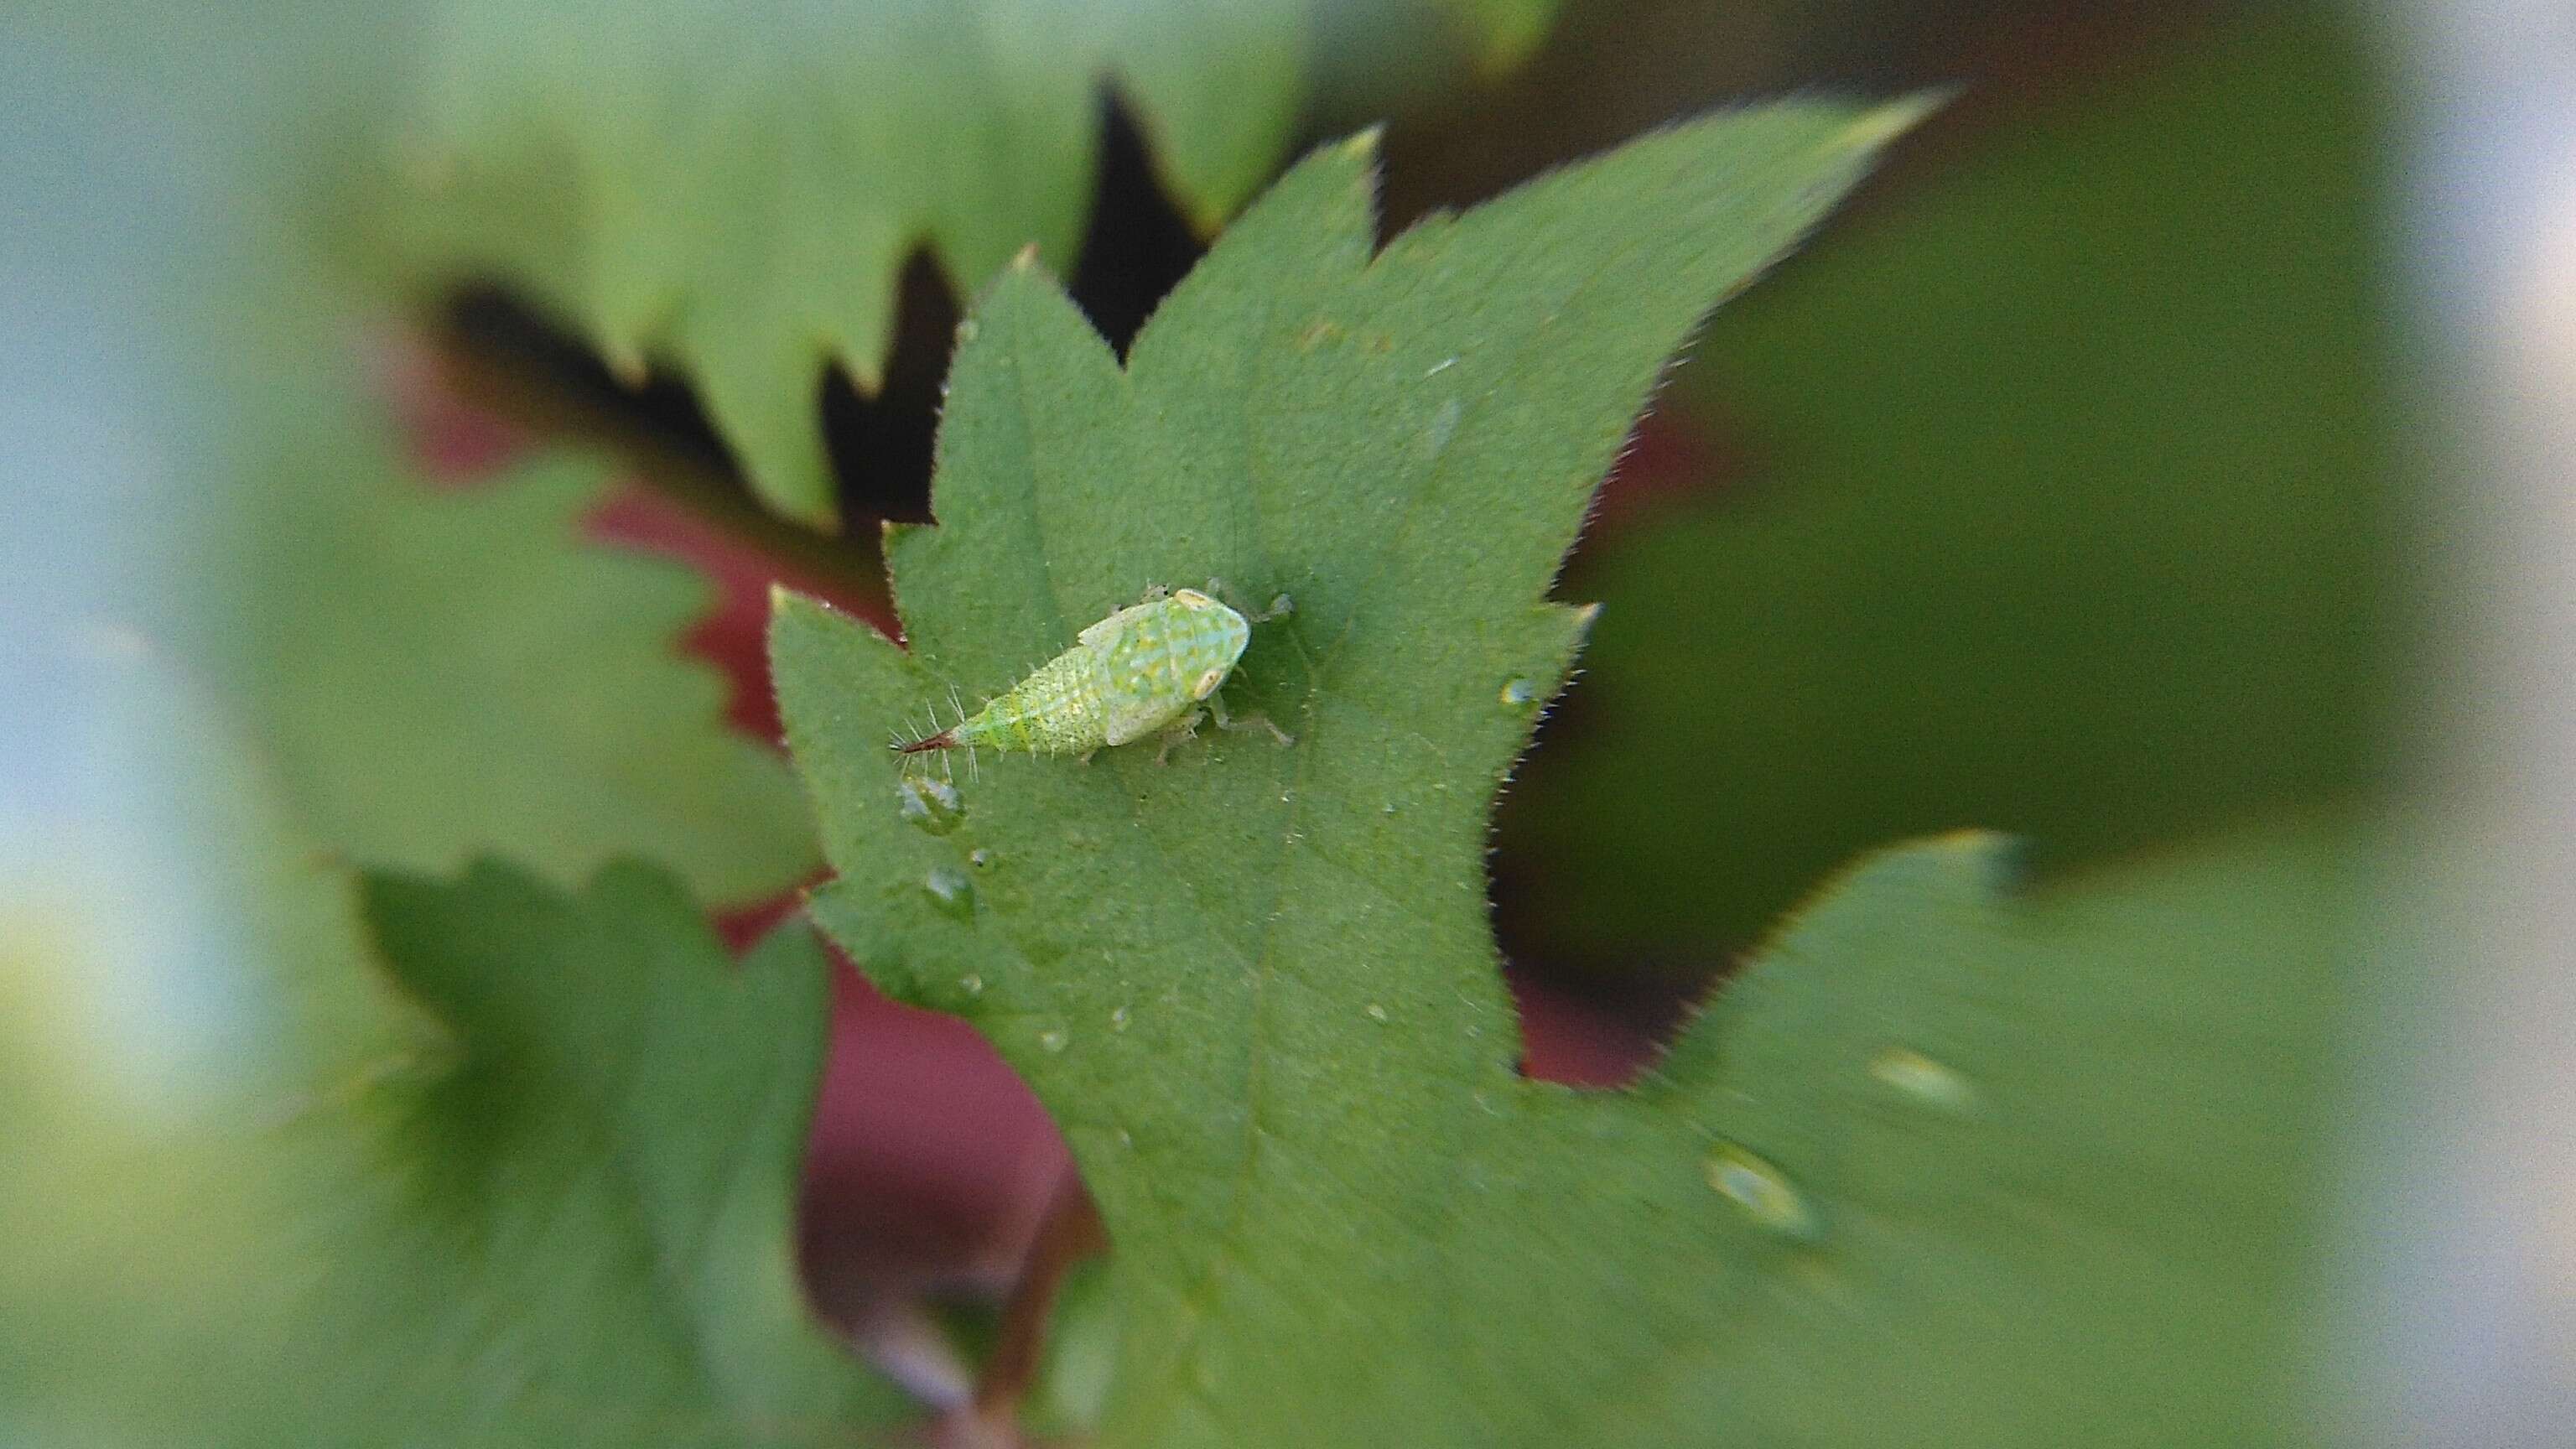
[(1280, 604), (1224, 721), (1184, 728)]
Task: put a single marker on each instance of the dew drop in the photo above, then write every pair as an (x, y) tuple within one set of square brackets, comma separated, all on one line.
[(971, 985), (1054, 1039), (1444, 425), (1118, 1019), (950, 890), (1926, 1081), (980, 859), (1761, 1190), (1376, 1012), (1519, 693), (932, 805), (1387, 809), (1126, 1138)]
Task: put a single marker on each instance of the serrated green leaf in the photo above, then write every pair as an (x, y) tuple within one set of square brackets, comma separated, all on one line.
[(732, 191), (1256, 986), (482, 1162), (575, 1216), (444, 673), (2072, 515)]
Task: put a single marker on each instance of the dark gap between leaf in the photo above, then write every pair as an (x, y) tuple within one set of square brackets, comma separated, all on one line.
[(881, 446), (1137, 245), (503, 359), (1598, 1028), (1585, 1023), (497, 333)]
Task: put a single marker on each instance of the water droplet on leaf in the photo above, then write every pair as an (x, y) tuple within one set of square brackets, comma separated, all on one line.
[(980, 859), (1054, 1039), (950, 890), (1444, 425), (1118, 1019), (1926, 1081), (1376, 1012), (933, 805), (971, 985), (1519, 693), (1762, 1190)]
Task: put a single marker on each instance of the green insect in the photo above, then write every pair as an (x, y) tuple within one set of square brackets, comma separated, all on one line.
[(1151, 667)]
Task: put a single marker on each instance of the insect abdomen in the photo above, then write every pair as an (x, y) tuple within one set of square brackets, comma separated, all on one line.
[(1055, 711)]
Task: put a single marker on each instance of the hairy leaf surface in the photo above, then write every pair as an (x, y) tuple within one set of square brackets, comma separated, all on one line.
[(1256, 985)]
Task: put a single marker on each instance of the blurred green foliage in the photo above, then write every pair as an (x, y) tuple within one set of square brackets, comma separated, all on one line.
[(441, 672), (486, 1162), (730, 192), (2069, 515)]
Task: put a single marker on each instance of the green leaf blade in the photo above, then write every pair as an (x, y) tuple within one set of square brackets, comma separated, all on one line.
[(621, 1121), (446, 673), (1254, 984)]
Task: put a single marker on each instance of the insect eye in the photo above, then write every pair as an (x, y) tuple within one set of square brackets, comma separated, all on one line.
[(1207, 684)]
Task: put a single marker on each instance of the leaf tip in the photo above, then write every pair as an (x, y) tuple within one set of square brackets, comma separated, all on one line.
[(864, 364), (785, 603), (1875, 127), (625, 361), (1363, 145), (1998, 857)]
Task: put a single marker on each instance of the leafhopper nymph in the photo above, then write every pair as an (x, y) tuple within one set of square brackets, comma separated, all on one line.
[(1150, 668)]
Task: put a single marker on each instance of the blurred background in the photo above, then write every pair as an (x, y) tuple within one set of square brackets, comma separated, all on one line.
[(2175, 437)]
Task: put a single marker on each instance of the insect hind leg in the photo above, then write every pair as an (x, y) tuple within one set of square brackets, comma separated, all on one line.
[(1184, 728), (1225, 721)]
